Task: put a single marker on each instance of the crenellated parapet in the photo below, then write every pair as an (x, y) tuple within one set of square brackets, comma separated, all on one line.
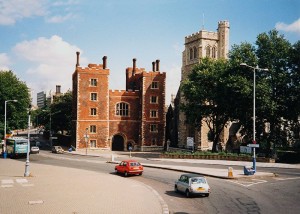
[(123, 93)]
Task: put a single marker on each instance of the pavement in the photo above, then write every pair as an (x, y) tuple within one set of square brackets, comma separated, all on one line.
[(53, 189)]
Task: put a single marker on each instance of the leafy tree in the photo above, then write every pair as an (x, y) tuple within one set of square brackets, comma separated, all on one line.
[(61, 114), (206, 94), (274, 52), (11, 88)]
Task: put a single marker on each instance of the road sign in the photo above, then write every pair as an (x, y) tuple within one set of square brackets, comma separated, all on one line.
[(253, 145), (190, 141)]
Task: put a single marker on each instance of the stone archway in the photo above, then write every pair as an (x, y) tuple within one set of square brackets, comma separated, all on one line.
[(117, 143)]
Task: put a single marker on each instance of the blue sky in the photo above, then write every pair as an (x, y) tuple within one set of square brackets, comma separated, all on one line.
[(39, 38)]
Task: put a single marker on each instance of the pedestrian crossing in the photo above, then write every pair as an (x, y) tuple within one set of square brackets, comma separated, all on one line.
[(8, 183)]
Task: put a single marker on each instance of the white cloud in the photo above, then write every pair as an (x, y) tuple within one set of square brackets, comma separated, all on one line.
[(59, 18), (52, 62), (294, 27), (4, 62), (14, 10)]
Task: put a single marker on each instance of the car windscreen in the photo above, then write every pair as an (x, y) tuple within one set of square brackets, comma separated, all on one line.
[(21, 142), (134, 164), (198, 180)]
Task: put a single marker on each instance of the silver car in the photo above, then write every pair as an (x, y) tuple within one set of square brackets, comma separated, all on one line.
[(192, 184)]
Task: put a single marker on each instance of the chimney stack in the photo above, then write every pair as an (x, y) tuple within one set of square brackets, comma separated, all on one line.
[(104, 62), (77, 63), (153, 66), (57, 89), (157, 65), (134, 66)]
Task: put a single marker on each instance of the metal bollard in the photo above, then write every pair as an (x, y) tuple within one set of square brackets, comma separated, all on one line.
[(112, 158), (230, 172)]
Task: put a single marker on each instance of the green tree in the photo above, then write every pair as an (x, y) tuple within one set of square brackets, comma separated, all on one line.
[(274, 52), (60, 112), (11, 88), (206, 93)]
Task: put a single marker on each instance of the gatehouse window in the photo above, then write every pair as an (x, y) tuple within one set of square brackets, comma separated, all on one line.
[(122, 109), (93, 143), (153, 128), (191, 53), (93, 82), (94, 96), (93, 129), (154, 85), (154, 99), (93, 111), (153, 113), (153, 141)]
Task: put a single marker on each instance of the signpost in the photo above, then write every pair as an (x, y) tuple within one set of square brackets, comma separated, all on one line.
[(190, 142)]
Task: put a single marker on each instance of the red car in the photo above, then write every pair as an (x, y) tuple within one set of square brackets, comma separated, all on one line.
[(129, 167)]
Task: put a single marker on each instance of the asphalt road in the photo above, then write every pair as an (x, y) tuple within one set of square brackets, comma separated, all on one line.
[(264, 195)]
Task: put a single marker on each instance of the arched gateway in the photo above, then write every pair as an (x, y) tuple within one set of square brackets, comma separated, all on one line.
[(117, 143)]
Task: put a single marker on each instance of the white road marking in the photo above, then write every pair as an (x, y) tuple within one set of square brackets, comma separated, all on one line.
[(6, 185), (283, 179), (249, 183), (7, 181), (35, 202), (22, 180)]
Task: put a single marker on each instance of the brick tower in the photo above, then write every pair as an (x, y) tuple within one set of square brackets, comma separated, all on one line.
[(118, 119)]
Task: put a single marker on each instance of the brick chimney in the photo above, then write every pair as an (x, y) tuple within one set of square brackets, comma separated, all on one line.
[(153, 66), (104, 62), (77, 62), (157, 65), (134, 66), (57, 89)]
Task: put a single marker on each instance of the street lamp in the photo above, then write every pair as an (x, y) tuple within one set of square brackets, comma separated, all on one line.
[(254, 140), (27, 173), (4, 148)]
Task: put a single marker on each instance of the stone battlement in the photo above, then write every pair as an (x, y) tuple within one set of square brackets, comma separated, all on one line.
[(123, 93)]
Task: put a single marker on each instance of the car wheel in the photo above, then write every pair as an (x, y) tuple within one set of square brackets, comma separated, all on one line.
[(176, 189), (187, 193), (116, 171), (141, 173), (125, 174), (206, 195)]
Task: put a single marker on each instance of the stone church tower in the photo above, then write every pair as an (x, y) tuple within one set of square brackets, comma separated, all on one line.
[(199, 45)]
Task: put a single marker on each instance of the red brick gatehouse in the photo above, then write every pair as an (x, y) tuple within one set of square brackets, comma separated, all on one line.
[(118, 119)]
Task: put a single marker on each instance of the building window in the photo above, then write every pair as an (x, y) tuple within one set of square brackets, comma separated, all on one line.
[(191, 53), (93, 96), (93, 82), (93, 143), (213, 52), (153, 128), (195, 53), (153, 141), (153, 99), (153, 113), (122, 109), (93, 111), (207, 51), (154, 85), (93, 129)]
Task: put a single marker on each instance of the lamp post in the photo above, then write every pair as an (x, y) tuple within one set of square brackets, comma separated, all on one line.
[(4, 148), (27, 173), (254, 83)]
